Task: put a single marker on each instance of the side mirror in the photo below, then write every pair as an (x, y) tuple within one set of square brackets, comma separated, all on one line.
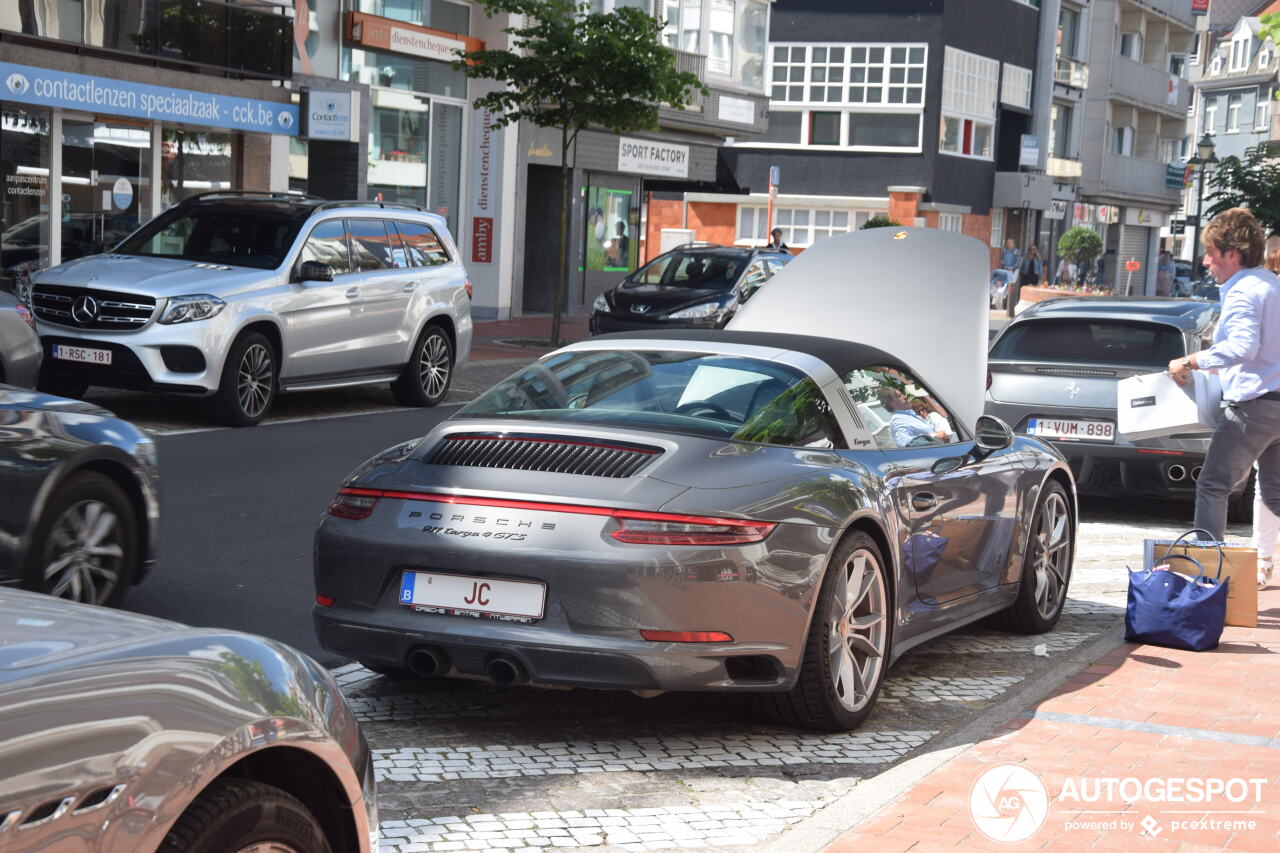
[(992, 433), (315, 271)]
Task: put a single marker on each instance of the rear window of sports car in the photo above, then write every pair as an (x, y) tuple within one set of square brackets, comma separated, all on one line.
[(717, 396), (1076, 340)]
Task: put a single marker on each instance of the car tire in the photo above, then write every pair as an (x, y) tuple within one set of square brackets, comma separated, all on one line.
[(236, 814), (1046, 566), (250, 381), (836, 690), (85, 545), (1240, 505), (425, 379)]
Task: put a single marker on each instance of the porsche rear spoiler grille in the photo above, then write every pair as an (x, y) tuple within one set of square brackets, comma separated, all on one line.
[(552, 454)]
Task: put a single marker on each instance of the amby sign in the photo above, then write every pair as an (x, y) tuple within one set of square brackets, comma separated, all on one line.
[(646, 157), (483, 186)]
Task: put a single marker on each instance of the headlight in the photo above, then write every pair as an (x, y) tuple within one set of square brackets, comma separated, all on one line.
[(706, 309), (187, 309), (601, 304)]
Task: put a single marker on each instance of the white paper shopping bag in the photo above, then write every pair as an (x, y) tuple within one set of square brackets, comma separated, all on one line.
[(1153, 405)]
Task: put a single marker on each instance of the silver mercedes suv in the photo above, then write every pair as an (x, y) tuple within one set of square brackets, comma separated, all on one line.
[(237, 296)]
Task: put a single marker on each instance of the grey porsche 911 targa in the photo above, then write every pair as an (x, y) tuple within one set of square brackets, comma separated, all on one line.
[(781, 508)]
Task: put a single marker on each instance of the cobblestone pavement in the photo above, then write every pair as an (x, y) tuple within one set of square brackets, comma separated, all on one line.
[(465, 766)]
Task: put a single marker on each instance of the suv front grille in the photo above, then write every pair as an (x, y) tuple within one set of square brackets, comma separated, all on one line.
[(90, 308), (557, 455)]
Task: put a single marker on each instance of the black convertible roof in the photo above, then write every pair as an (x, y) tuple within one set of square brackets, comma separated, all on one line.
[(840, 356)]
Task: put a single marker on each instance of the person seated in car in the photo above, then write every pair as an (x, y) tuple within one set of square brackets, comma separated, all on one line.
[(908, 428), (693, 271)]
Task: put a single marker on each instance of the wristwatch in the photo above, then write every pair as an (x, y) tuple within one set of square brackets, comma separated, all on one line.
[(1186, 363)]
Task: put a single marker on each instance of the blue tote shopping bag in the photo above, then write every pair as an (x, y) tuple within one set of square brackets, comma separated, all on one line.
[(1167, 609)]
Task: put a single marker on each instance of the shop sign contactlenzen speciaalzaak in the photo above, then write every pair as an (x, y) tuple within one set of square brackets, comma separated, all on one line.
[(45, 87), (646, 157)]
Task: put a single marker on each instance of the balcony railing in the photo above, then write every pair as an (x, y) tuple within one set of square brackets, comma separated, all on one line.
[(1069, 72), (256, 41), (1148, 85), (1132, 176), (695, 64)]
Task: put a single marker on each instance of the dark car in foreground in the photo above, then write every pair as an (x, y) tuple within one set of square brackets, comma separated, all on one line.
[(1054, 371), (121, 732), (736, 510), (690, 287), (79, 514)]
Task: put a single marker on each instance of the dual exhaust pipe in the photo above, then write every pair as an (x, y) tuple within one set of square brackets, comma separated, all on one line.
[(1178, 473), (433, 662)]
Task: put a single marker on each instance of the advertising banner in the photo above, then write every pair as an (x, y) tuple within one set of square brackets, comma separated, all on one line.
[(647, 157), (49, 88)]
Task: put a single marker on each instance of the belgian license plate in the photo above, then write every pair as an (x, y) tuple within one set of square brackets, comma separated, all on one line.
[(1062, 429), (460, 595), (85, 354)]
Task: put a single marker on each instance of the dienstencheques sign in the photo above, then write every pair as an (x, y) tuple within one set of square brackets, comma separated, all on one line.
[(46, 87)]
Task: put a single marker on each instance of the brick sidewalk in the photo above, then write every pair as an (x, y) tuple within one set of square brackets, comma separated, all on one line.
[(1141, 712), (499, 339)]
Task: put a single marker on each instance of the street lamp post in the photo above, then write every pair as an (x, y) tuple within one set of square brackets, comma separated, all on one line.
[(1204, 160)]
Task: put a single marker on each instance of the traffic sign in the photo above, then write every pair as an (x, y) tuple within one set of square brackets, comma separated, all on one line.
[(1132, 266)]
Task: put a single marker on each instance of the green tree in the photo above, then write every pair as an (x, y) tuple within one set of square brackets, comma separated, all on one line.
[(1252, 182), (569, 68), (1080, 245), (880, 221)]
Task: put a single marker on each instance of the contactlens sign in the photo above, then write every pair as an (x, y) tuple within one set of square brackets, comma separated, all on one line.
[(49, 88)]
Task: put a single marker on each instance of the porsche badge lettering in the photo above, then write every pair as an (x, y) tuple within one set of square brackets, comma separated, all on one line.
[(510, 529)]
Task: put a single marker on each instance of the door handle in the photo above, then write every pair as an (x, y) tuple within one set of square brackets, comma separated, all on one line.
[(353, 292), (923, 501)]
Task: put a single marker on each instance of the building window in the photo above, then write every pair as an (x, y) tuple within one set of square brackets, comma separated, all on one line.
[(951, 222), (1060, 132), (729, 33), (1131, 46), (1262, 112), (969, 85), (800, 226), (1068, 32), (1015, 88), (862, 97), (1122, 141), (1233, 112), (1215, 67), (1240, 53), (997, 227), (452, 17), (1178, 64), (1211, 116), (1195, 49), (1264, 59)]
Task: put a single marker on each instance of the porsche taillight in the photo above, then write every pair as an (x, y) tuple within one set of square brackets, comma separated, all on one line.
[(354, 503), (660, 529)]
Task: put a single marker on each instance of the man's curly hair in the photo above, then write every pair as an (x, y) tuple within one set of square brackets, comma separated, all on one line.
[(1237, 229)]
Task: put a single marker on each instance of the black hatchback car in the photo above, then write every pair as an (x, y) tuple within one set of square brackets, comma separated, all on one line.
[(690, 287)]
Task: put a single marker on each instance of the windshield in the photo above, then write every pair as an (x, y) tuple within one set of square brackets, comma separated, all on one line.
[(216, 235), (691, 269), (1095, 341), (712, 395)]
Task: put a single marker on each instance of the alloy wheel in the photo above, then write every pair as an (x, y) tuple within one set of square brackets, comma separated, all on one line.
[(859, 630), (433, 366), (254, 380), (84, 553), (1052, 555)]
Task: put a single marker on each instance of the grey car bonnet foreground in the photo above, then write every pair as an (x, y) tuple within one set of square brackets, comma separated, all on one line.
[(20, 353), (708, 511), (111, 724)]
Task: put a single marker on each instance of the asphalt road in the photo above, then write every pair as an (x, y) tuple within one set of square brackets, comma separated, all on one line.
[(238, 510)]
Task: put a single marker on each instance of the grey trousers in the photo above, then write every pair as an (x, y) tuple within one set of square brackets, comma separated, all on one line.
[(1248, 431)]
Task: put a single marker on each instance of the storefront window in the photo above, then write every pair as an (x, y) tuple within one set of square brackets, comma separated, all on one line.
[(193, 162), (24, 206), (298, 164), (612, 219), (398, 146), (106, 184), (395, 71)]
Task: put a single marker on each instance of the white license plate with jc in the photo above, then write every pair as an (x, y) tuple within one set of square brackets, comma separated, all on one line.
[(473, 595), (1071, 430), (85, 354)]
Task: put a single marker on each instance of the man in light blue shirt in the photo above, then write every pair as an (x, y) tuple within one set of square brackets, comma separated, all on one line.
[(1246, 355), (906, 426)]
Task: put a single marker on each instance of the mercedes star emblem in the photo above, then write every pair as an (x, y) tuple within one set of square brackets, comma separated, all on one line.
[(85, 310), (639, 309), (1072, 390)]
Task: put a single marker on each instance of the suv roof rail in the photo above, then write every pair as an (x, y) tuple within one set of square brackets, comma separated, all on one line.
[(701, 244), (325, 205), (289, 194)]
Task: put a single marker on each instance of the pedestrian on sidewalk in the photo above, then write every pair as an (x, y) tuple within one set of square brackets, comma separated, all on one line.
[(1266, 524), (1246, 355), (775, 241)]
